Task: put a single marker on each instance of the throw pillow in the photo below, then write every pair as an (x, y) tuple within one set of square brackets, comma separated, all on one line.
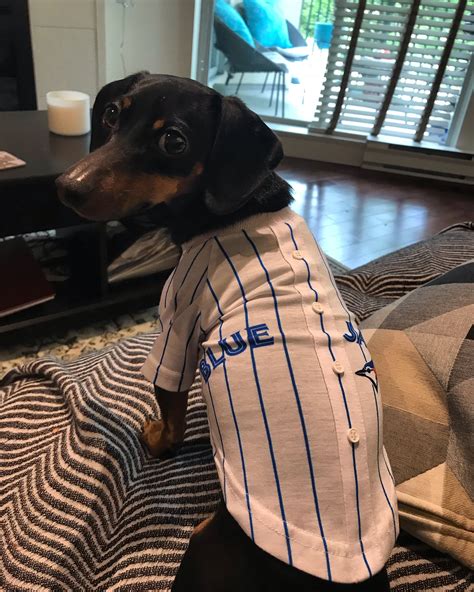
[(266, 23), (423, 349), (232, 19)]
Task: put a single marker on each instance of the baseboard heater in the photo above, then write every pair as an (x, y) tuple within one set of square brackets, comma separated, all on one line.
[(449, 165)]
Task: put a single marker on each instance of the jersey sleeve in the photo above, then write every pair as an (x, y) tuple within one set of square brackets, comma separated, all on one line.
[(172, 361)]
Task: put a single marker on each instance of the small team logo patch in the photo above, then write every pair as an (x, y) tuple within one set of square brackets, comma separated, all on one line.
[(369, 372)]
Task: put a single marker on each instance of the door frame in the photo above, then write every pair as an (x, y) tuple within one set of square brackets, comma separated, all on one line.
[(202, 38)]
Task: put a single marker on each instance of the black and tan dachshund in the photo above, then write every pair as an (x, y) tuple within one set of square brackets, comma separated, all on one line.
[(177, 154)]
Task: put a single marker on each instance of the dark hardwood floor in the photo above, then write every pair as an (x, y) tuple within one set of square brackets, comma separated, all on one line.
[(358, 215)]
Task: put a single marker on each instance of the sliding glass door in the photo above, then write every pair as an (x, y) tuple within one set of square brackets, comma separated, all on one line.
[(386, 68), (272, 55)]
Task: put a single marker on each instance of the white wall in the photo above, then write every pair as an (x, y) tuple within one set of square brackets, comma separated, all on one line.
[(158, 37), (76, 43), (63, 36)]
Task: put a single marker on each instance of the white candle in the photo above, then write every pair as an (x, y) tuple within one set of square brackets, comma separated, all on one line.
[(68, 112)]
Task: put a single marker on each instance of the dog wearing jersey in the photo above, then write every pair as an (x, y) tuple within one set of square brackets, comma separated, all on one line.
[(294, 409)]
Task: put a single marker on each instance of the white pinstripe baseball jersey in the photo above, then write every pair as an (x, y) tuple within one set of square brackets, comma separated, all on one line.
[(293, 404)]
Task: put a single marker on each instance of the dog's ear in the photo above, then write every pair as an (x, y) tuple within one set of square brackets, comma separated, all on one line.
[(245, 152), (109, 93)]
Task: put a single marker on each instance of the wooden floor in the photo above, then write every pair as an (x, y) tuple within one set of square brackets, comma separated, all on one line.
[(358, 215)]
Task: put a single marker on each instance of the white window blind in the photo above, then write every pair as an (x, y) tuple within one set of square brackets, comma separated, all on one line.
[(380, 39)]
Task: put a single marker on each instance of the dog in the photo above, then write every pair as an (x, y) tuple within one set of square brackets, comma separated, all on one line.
[(308, 498)]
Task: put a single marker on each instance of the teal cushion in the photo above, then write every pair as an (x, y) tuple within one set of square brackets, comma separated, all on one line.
[(266, 23), (232, 19)]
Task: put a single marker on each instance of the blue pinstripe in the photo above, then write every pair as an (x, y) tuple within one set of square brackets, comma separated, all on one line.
[(220, 438), (163, 352), (378, 463), (374, 392), (197, 286), (375, 401), (354, 462), (186, 351), (262, 406), (298, 404), (187, 272), (316, 296), (176, 305), (170, 279), (234, 417), (387, 465), (161, 323)]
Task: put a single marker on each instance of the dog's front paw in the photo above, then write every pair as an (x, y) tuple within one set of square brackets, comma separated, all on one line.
[(157, 439)]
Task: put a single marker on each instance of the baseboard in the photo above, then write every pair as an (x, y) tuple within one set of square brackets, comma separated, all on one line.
[(298, 142), (417, 160), (433, 162)]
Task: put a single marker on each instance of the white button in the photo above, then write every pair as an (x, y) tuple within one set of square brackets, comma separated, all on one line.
[(318, 307), (338, 368), (353, 436), (297, 255)]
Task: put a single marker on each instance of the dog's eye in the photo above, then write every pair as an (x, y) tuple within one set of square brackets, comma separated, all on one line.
[(111, 115), (173, 142)]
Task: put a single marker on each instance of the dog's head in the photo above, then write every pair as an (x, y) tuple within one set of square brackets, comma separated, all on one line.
[(156, 138)]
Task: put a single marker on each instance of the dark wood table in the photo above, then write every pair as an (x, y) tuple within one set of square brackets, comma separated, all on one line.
[(28, 197), (29, 203)]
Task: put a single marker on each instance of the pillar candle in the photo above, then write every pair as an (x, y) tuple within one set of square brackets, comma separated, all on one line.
[(68, 112)]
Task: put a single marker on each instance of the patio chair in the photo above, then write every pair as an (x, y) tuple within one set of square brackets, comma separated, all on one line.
[(243, 58), (299, 49), (298, 52)]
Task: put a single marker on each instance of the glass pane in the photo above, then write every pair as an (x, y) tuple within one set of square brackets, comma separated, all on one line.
[(272, 55)]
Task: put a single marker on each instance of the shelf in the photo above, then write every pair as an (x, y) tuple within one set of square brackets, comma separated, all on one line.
[(67, 311)]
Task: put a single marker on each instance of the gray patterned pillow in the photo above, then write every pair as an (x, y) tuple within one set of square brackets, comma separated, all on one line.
[(368, 288), (423, 348)]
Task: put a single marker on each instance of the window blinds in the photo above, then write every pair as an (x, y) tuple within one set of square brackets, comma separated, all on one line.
[(396, 67)]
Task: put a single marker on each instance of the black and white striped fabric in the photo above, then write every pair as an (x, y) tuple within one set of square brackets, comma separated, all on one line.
[(294, 406), (83, 508), (374, 285)]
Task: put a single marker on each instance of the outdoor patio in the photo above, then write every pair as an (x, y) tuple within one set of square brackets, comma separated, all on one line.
[(303, 87), (283, 81)]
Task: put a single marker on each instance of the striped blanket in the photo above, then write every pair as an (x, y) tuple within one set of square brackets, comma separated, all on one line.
[(82, 505)]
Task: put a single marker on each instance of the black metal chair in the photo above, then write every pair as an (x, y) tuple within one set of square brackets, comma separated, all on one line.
[(243, 58), (299, 49)]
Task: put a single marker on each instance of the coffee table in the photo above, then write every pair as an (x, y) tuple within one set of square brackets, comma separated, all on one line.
[(29, 203)]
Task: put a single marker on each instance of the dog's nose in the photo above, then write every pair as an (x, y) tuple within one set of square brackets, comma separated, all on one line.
[(70, 192)]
